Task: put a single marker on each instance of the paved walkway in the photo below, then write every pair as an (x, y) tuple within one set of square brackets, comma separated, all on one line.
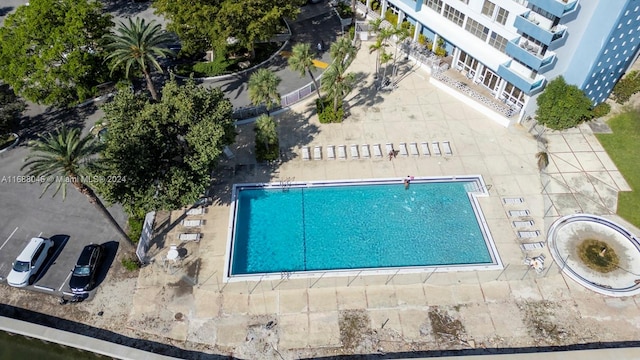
[(514, 308)]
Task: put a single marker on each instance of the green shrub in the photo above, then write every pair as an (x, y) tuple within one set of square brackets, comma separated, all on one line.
[(440, 51), (327, 115), (601, 110), (422, 40), (375, 6), (134, 225), (352, 31), (344, 10), (130, 264), (627, 86), (214, 68), (563, 106), (391, 17)]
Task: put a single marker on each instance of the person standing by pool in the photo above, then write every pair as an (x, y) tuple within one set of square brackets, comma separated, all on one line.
[(407, 180)]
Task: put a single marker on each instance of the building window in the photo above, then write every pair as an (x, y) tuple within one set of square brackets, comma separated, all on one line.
[(498, 41), (434, 4), (502, 15), (488, 8), (477, 29), (467, 64), (512, 94), (454, 15)]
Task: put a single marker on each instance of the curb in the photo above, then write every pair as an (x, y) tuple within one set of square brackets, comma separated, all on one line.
[(15, 142)]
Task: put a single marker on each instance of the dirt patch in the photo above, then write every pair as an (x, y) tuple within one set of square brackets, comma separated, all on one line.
[(598, 255), (447, 328), (355, 325), (543, 324)]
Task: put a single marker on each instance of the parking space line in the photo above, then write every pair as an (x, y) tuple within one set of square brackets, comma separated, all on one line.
[(6, 241), (39, 235), (65, 280)]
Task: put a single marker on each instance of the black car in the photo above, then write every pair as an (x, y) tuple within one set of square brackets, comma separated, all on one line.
[(83, 278)]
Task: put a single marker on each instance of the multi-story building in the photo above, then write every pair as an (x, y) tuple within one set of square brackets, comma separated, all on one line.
[(514, 47)]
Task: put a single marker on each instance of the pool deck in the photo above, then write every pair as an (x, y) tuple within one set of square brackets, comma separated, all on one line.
[(511, 308)]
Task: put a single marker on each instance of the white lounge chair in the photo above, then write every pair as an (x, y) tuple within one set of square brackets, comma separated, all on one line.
[(389, 148), (317, 152), (532, 246), (331, 152), (514, 213), (190, 237), (342, 152), (364, 150), (196, 211), (425, 149), (525, 223), (306, 153), (377, 150), (403, 149), (354, 152), (436, 148), (528, 234), (446, 148), (513, 200), (192, 223), (413, 149)]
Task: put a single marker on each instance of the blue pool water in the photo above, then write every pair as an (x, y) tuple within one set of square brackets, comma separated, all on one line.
[(355, 226)]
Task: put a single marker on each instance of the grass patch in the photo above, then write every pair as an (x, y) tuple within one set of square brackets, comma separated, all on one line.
[(446, 329), (131, 264), (134, 225), (622, 147), (354, 325), (598, 255)]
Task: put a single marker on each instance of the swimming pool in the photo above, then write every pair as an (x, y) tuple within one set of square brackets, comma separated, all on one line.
[(301, 228)]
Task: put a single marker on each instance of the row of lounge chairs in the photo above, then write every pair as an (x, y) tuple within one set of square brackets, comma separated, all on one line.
[(523, 225), (375, 151), (191, 225)]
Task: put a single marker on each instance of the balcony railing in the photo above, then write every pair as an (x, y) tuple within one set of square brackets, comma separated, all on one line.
[(539, 27), (521, 77), (529, 53), (558, 8)]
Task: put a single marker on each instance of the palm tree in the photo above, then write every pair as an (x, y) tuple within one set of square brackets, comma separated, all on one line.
[(64, 157), (337, 83), (342, 50), (139, 44), (301, 61), (378, 47), (263, 88), (266, 132), (385, 57)]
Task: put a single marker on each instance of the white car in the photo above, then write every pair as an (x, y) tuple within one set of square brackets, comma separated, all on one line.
[(30, 260)]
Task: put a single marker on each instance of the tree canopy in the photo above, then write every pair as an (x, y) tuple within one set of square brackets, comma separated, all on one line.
[(10, 109), (49, 50), (562, 106), (164, 150), (207, 24)]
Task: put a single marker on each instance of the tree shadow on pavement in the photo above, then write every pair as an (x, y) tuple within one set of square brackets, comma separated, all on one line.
[(365, 94), (32, 127), (125, 8), (5, 10)]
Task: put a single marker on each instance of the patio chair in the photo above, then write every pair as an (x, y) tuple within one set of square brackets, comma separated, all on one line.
[(331, 152), (196, 211), (403, 149), (446, 148), (513, 200), (354, 152), (413, 149), (425, 148), (192, 223), (514, 213), (528, 234), (436, 148), (532, 246), (190, 237), (342, 152), (317, 152), (364, 150), (377, 150), (525, 223), (306, 153)]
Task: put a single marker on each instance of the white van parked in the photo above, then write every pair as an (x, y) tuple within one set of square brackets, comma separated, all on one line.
[(30, 260)]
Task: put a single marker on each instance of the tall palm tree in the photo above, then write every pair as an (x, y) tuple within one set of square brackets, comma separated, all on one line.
[(263, 88), (337, 83), (342, 50), (139, 44), (385, 57), (301, 61), (65, 157), (378, 47)]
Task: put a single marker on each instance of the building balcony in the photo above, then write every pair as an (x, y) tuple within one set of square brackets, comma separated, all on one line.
[(529, 53), (558, 8), (539, 27), (521, 77)]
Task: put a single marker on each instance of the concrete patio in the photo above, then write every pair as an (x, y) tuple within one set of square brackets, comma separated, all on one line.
[(190, 302)]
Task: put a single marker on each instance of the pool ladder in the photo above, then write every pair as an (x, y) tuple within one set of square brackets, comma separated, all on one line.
[(285, 184)]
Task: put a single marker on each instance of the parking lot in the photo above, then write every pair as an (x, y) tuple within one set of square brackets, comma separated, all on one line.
[(71, 224)]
